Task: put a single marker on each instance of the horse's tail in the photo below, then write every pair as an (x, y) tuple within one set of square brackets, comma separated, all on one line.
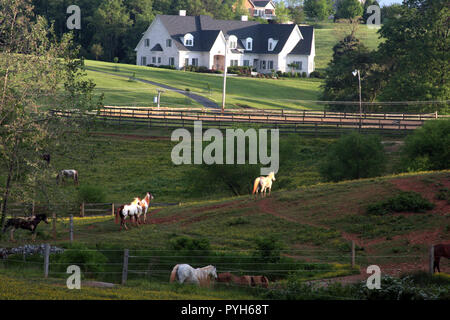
[(116, 220), (255, 185), (173, 275)]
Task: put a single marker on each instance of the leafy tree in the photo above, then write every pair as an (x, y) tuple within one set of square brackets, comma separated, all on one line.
[(427, 148), (390, 12), (97, 50), (347, 9), (297, 14), (340, 84), (318, 9), (416, 53), (36, 70), (283, 13), (354, 156)]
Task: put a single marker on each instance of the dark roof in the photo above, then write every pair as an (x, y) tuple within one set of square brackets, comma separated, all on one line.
[(206, 29), (304, 46), (157, 48), (261, 3)]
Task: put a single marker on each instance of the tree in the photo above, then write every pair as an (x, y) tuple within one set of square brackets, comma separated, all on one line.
[(416, 54), (340, 85), (33, 68), (283, 13), (97, 50), (354, 156), (427, 148), (318, 9), (297, 14), (347, 9)]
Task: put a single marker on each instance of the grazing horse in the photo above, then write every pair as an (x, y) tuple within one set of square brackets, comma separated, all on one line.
[(145, 204), (440, 250), (263, 183), (73, 174), (25, 223), (260, 281), (230, 278), (185, 273)]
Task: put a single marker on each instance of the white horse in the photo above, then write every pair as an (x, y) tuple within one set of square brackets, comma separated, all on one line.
[(263, 183), (133, 210), (73, 174), (185, 273)]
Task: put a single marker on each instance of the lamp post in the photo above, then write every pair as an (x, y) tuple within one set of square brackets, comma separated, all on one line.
[(356, 72), (224, 75)]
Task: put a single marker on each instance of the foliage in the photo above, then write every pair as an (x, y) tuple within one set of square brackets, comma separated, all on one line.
[(354, 156), (90, 261), (348, 9), (403, 202), (427, 148), (190, 244), (268, 249), (410, 76), (318, 9), (91, 194)]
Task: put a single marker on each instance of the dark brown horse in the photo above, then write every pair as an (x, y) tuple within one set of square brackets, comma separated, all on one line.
[(227, 277), (260, 281), (440, 250), (25, 223)]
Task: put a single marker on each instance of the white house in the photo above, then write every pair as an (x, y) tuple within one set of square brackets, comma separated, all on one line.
[(186, 40)]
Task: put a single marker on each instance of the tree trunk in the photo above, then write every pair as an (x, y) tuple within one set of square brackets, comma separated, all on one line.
[(6, 196)]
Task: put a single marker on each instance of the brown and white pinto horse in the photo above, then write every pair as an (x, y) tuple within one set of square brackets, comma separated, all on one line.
[(146, 204), (440, 250), (63, 174)]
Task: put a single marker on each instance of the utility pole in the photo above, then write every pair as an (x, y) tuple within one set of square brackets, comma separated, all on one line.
[(356, 72), (224, 76)]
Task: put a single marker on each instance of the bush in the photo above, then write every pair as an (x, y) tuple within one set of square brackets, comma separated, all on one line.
[(93, 194), (403, 202), (427, 148), (190, 244), (317, 74), (268, 249), (304, 75), (354, 156), (89, 261)]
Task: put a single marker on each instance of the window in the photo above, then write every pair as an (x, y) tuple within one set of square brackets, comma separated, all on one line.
[(233, 42), (246, 63), (171, 61), (186, 61), (234, 63), (143, 61), (299, 65), (159, 59), (147, 42), (263, 64), (195, 61), (168, 43), (153, 59), (189, 40), (249, 44), (271, 44), (270, 64)]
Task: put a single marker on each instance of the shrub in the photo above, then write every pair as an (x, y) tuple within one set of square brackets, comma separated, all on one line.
[(304, 75), (427, 148), (317, 74), (90, 193), (190, 244), (354, 156), (403, 202), (89, 261), (268, 249)]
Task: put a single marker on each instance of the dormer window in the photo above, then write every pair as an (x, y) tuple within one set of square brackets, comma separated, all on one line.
[(147, 42), (233, 42), (249, 44), (271, 44), (188, 40)]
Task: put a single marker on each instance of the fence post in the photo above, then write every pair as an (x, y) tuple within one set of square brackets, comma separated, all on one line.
[(71, 228), (112, 209), (54, 225), (82, 209), (125, 266), (431, 259), (46, 259), (353, 253)]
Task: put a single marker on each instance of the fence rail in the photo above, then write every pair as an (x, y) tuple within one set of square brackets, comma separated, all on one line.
[(286, 120)]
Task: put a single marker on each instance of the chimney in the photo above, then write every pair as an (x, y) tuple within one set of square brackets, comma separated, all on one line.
[(182, 13), (244, 18)]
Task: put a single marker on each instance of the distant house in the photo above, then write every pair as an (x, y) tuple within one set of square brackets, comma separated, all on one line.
[(200, 41), (262, 8)]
